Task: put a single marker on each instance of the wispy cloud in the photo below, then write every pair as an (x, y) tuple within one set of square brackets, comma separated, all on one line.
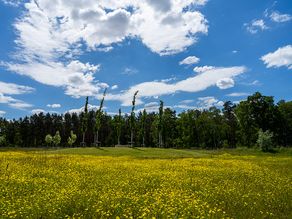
[(255, 26), (20, 105), (13, 3), (54, 105), (237, 94), (2, 113), (271, 17), (8, 89), (114, 87), (200, 82), (14, 89), (252, 83), (186, 101), (201, 104), (129, 71), (280, 18)]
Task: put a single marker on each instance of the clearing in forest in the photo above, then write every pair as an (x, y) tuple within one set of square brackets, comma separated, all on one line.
[(144, 183)]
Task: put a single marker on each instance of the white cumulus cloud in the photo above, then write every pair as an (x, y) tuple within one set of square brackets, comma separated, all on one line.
[(281, 57), (207, 102), (189, 60), (225, 83), (53, 34), (202, 69), (81, 109)]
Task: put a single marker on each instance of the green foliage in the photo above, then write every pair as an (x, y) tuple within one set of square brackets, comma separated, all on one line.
[(169, 131), (57, 138), (257, 112), (49, 139), (72, 139), (265, 140), (285, 123), (18, 139), (230, 127), (187, 128), (230, 124), (3, 140)]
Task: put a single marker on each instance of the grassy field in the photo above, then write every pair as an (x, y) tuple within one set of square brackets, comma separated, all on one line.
[(144, 183)]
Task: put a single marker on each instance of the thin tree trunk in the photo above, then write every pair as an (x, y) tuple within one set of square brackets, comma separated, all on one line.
[(83, 139), (96, 139), (160, 140), (132, 135), (119, 140)]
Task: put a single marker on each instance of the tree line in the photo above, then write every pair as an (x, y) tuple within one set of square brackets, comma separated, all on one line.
[(231, 126)]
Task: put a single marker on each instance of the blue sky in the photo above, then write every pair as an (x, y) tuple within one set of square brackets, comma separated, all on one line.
[(188, 53)]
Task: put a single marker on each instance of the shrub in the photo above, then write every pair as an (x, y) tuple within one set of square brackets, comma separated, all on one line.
[(48, 139), (57, 139), (72, 138), (265, 140)]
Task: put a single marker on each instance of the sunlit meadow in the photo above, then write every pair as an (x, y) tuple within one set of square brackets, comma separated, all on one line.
[(144, 183)]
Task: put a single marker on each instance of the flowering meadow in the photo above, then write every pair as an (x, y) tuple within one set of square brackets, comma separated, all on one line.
[(144, 183)]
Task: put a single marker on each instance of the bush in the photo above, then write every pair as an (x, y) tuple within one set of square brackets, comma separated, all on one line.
[(49, 140), (57, 138), (72, 138), (265, 141)]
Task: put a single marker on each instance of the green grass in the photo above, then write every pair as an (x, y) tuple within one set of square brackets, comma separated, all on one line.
[(145, 183), (160, 152)]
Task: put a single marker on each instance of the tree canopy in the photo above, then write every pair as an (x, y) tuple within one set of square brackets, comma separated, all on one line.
[(231, 126)]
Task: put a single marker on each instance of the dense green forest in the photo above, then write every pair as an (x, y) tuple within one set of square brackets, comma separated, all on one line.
[(232, 126)]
